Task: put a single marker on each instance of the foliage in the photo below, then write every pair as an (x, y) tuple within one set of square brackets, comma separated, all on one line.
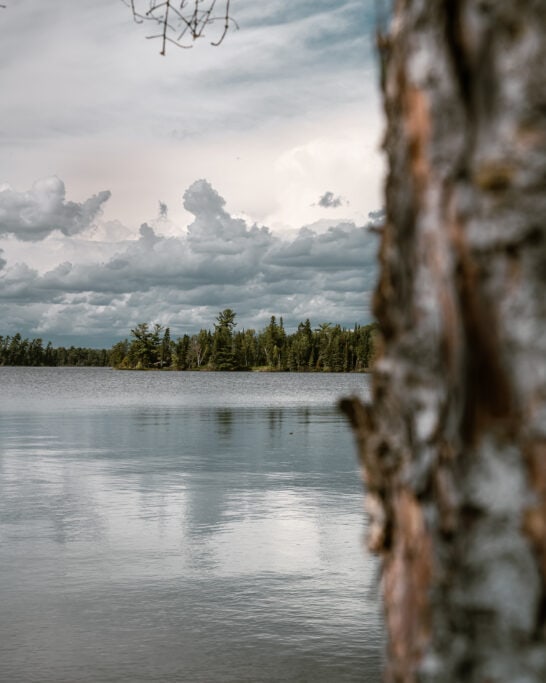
[(19, 351), (327, 348)]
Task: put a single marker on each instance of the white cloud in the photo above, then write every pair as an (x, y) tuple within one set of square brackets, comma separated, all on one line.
[(287, 107), (219, 261), (36, 213), (330, 201), (104, 107)]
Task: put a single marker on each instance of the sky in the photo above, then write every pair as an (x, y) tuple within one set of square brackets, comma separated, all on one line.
[(136, 187)]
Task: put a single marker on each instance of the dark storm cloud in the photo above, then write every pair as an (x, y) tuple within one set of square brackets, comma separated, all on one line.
[(329, 201), (36, 213), (341, 247), (183, 281)]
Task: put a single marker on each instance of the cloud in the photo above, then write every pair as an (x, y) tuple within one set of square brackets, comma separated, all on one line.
[(2, 260), (295, 73), (329, 201), (183, 280), (205, 203), (283, 46), (36, 213), (377, 216)]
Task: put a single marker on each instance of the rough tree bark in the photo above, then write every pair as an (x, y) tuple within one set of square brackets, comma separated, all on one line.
[(453, 443)]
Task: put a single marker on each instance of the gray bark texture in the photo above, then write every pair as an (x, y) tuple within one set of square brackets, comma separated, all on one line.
[(453, 442)]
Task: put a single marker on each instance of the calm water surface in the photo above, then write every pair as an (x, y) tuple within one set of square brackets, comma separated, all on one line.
[(189, 527)]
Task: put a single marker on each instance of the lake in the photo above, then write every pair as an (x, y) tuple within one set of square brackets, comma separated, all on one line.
[(188, 527)]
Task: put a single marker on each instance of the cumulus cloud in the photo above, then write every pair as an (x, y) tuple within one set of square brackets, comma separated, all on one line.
[(377, 216), (330, 201), (36, 213), (219, 261)]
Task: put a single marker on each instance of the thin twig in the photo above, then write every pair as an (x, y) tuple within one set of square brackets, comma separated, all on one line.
[(190, 18)]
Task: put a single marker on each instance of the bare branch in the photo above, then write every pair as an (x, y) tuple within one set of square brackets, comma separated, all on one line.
[(183, 20), (228, 19)]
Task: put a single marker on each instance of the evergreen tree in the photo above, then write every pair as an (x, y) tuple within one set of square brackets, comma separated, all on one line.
[(327, 348), (223, 356), (165, 350)]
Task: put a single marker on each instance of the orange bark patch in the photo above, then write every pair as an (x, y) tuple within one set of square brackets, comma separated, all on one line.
[(534, 523), (407, 577), (488, 392), (417, 123)]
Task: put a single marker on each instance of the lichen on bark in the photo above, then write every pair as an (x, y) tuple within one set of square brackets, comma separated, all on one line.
[(453, 442)]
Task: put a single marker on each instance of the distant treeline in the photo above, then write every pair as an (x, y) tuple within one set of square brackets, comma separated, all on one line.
[(326, 348), (19, 351)]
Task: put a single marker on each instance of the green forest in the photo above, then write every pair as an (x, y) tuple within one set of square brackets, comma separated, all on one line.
[(326, 348), (19, 351)]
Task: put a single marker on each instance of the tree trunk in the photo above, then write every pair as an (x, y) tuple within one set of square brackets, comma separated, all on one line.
[(453, 444)]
